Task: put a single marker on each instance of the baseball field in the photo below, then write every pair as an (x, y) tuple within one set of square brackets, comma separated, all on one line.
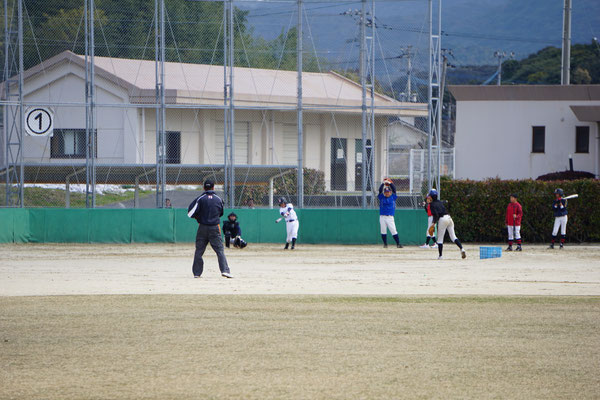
[(130, 322)]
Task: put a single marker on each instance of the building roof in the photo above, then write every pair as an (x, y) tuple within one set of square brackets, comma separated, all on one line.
[(526, 93), (587, 113), (204, 84)]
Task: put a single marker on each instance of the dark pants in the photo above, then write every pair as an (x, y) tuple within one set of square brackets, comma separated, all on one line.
[(209, 234)]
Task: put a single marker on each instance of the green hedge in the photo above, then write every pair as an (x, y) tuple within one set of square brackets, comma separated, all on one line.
[(478, 208)]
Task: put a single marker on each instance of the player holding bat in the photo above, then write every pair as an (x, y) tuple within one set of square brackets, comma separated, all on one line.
[(291, 222), (559, 207)]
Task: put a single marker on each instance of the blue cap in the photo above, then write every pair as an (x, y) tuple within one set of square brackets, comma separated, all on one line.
[(433, 193)]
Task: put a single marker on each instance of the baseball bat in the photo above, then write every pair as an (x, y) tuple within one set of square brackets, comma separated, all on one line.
[(572, 196), (278, 219)]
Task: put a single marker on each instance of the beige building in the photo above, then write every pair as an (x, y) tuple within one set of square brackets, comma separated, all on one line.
[(265, 130)]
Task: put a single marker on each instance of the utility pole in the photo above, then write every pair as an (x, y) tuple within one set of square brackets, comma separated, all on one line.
[(407, 52), (565, 76), (501, 55), (299, 50)]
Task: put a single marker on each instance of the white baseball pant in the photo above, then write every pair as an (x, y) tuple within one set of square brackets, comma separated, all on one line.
[(445, 224), (560, 222), (514, 232), (429, 222), (292, 230), (387, 222)]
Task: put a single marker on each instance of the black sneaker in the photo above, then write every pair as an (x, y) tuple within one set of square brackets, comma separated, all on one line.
[(293, 247), (385, 246), (551, 246), (509, 248), (399, 246), (519, 248), (287, 246), (561, 246)]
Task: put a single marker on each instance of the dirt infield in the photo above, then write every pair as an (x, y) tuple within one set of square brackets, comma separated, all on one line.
[(68, 269)]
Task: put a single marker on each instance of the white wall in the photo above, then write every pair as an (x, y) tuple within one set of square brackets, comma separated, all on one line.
[(494, 139), (117, 127)]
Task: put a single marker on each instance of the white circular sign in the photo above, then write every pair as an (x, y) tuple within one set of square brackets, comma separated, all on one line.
[(39, 121)]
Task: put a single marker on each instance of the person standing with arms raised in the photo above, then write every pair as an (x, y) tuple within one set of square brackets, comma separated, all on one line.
[(207, 209)]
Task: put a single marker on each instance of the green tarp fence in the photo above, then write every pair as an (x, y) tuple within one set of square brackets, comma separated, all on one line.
[(51, 225)]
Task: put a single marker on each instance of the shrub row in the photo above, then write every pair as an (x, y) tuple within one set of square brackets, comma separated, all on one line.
[(478, 208)]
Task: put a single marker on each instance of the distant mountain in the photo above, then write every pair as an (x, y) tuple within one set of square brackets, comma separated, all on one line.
[(474, 29)]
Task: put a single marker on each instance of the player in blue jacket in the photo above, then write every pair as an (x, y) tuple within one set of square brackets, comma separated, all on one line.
[(387, 207)]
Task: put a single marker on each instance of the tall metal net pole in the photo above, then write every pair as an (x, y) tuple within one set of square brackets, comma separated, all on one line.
[(5, 96), (299, 50), (163, 145), (435, 102), (363, 84), (371, 144), (21, 111), (159, 62), (231, 109), (86, 35), (440, 100), (225, 100)]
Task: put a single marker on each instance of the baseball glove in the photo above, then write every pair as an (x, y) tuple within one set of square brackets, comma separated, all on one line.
[(431, 230)]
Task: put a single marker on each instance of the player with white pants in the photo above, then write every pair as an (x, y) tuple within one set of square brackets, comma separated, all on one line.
[(429, 237), (291, 222), (559, 207), (387, 207), (444, 223), (514, 217)]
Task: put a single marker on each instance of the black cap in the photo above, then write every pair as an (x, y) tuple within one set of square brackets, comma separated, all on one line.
[(208, 184), (514, 195), (281, 200), (232, 215)]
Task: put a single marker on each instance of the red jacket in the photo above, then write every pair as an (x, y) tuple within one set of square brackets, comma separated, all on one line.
[(514, 208)]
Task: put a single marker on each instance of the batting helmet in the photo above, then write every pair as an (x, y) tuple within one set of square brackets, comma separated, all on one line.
[(232, 215), (433, 193), (281, 200), (559, 192)]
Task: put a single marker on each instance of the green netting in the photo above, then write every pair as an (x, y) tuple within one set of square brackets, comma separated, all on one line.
[(173, 225)]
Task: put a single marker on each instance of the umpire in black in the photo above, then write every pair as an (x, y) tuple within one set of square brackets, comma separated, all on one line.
[(208, 210)]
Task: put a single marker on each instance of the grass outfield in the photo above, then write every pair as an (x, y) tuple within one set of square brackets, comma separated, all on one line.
[(318, 347)]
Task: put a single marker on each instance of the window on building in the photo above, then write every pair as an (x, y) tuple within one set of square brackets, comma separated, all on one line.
[(290, 144), (582, 139), (539, 139), (241, 138), (69, 143), (173, 147)]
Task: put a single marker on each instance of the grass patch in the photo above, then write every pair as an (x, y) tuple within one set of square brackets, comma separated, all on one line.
[(43, 197), (319, 347)]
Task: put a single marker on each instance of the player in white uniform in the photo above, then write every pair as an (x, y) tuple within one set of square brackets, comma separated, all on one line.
[(291, 222)]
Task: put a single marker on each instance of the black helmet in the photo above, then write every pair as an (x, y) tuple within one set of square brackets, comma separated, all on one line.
[(559, 192), (281, 200), (232, 215)]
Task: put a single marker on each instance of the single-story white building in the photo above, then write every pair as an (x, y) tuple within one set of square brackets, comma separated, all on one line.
[(126, 131), (524, 131)]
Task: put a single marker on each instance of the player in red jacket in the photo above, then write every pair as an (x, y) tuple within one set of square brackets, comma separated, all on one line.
[(514, 215)]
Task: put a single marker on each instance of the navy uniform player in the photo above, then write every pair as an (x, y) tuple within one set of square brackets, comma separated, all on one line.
[(559, 208), (444, 223), (207, 209), (291, 222)]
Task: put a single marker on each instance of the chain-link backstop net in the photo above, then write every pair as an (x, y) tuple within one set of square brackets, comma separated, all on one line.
[(147, 99)]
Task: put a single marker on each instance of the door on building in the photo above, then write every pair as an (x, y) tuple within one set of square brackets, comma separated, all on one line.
[(338, 164), (359, 163), (173, 147)]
